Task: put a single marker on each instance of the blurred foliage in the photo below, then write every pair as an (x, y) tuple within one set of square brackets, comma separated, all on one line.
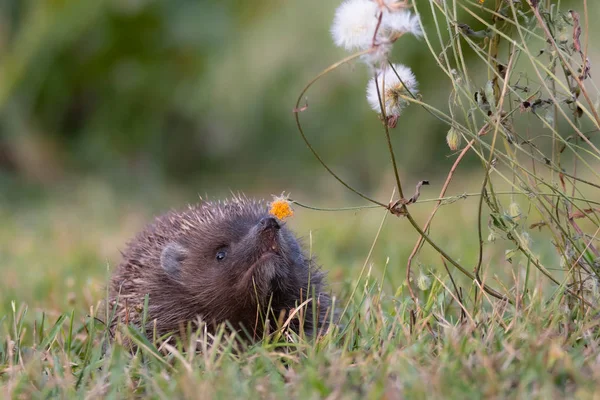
[(185, 89)]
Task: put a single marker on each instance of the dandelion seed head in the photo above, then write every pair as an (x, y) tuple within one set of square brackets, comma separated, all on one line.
[(393, 4), (378, 56), (354, 24), (402, 21), (394, 89)]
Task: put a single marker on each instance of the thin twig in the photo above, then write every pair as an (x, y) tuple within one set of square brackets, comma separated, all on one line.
[(299, 125)]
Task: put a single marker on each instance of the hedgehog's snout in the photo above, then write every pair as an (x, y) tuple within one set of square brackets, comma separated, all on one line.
[(268, 223), (268, 230)]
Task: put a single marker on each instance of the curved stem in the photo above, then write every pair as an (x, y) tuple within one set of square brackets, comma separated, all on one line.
[(297, 111), (550, 38), (409, 216), (486, 288), (500, 102), (436, 208), (479, 228), (452, 199), (387, 133)]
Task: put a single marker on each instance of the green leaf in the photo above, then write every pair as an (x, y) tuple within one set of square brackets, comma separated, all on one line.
[(48, 340), (142, 341)]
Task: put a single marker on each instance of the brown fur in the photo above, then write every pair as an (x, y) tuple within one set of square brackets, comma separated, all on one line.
[(174, 262)]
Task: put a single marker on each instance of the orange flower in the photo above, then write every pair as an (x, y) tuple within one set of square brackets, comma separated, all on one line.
[(280, 207)]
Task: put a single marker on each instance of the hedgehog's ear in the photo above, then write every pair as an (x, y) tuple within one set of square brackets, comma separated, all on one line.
[(172, 257)]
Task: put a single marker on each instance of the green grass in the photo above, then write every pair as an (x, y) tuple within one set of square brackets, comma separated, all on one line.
[(57, 250)]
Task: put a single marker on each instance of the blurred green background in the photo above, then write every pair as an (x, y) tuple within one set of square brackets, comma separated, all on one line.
[(195, 91), (114, 110), (200, 93)]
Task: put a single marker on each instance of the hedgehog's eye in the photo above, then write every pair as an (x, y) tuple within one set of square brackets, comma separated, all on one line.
[(221, 254)]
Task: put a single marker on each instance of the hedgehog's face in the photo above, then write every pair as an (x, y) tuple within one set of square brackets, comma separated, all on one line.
[(239, 252)]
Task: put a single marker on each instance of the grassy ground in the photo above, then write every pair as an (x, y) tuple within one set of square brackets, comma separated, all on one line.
[(57, 247)]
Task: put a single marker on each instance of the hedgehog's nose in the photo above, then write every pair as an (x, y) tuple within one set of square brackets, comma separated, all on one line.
[(269, 223)]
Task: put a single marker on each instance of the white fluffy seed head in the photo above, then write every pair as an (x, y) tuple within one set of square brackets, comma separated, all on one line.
[(354, 24), (392, 4), (402, 21), (396, 86), (378, 56)]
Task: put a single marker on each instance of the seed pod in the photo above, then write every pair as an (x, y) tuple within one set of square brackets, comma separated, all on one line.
[(423, 281), (526, 240), (453, 139), (514, 211), (492, 237)]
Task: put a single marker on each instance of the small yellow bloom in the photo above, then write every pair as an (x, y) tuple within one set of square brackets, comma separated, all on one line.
[(280, 207)]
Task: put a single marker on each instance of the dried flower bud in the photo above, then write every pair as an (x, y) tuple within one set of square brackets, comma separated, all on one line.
[(423, 281), (493, 236), (514, 211), (526, 240), (453, 139)]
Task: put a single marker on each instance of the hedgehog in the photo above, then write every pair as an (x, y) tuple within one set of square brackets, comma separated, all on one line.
[(227, 262)]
